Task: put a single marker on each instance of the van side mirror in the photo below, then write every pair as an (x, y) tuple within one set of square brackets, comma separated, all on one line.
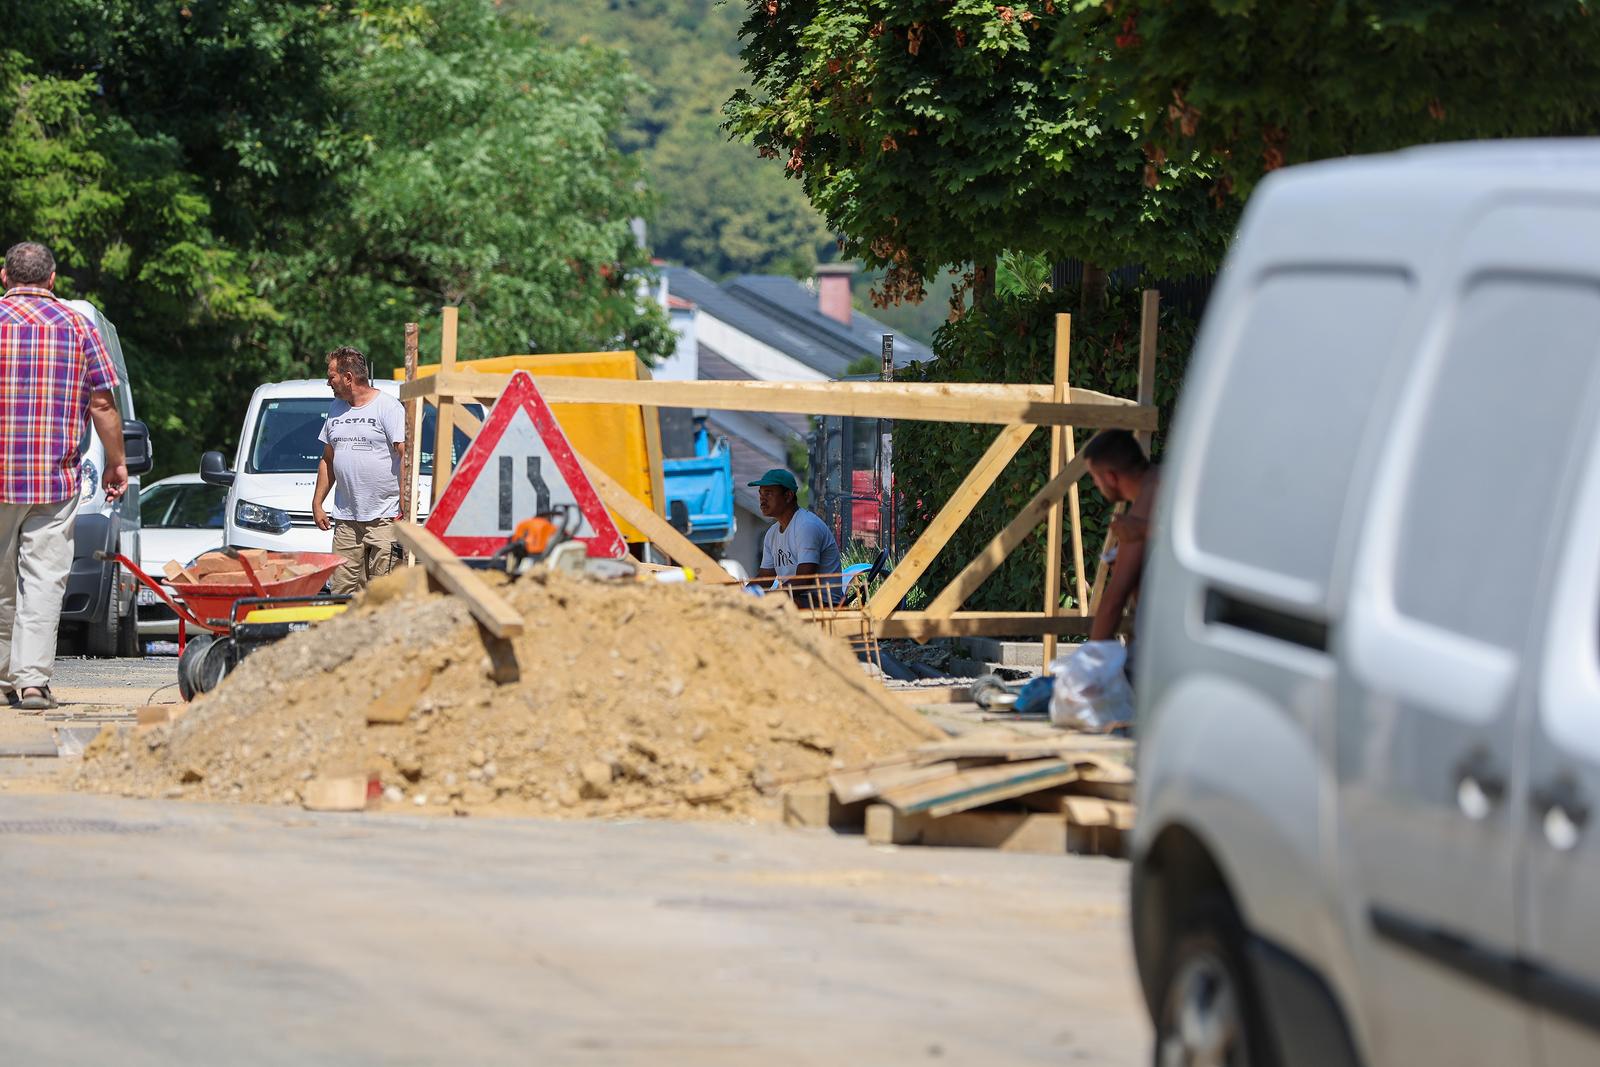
[(136, 446), (214, 469)]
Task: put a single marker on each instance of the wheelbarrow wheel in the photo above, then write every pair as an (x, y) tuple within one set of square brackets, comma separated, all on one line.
[(202, 665)]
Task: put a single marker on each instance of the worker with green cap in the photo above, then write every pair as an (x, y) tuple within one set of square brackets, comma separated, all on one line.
[(796, 544)]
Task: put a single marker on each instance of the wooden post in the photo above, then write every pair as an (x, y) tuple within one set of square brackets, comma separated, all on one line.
[(445, 427), (1149, 319), (1063, 446), (412, 470)]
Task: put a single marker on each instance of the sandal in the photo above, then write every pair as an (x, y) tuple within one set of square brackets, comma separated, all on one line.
[(12, 700), (42, 700)]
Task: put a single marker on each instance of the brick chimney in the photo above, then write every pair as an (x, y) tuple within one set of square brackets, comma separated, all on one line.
[(833, 290)]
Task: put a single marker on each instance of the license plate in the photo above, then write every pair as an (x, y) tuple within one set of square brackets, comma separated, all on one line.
[(148, 596)]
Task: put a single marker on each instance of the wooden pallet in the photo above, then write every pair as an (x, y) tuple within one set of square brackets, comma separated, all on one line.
[(992, 789)]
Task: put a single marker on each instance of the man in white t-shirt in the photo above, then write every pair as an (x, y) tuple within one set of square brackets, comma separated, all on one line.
[(363, 444), (797, 544)]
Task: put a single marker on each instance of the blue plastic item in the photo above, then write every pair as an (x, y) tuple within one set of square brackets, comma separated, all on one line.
[(1034, 698), (704, 482)]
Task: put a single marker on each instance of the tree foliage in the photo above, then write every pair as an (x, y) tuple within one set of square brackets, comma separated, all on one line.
[(243, 184), (1253, 86), (492, 181), (933, 133), (719, 208)]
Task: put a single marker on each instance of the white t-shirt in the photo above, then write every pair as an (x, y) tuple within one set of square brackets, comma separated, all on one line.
[(366, 468), (807, 540)]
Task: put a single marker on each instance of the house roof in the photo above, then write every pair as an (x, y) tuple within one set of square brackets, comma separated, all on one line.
[(783, 313)]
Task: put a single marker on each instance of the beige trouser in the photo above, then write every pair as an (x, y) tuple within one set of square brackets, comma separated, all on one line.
[(35, 545), (368, 551)]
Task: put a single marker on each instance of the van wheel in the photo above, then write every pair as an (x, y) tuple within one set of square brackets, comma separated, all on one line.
[(102, 637), (1208, 1015)]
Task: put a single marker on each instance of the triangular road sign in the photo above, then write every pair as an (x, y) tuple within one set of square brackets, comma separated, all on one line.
[(519, 465)]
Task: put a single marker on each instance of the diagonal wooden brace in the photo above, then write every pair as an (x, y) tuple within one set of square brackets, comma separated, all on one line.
[(1006, 541)]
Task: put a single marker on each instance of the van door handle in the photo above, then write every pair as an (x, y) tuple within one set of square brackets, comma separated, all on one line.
[(1479, 787), (1563, 812)]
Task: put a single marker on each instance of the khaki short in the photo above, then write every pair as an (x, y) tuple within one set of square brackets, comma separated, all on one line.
[(368, 549)]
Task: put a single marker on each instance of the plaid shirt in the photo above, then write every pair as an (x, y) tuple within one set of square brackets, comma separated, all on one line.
[(51, 359)]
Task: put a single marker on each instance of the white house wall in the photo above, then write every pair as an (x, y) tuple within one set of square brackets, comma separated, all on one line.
[(754, 357)]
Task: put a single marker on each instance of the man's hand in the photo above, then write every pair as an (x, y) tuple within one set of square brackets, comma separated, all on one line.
[(319, 516), (115, 480)]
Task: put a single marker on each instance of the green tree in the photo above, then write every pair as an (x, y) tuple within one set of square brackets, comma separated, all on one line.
[(932, 133), (1253, 86), (720, 209), (493, 181)]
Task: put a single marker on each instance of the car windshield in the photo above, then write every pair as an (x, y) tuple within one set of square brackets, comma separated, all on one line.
[(199, 507), (155, 502), (286, 435)]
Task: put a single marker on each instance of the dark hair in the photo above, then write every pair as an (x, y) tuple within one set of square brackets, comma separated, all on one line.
[(1116, 450), (347, 360), (29, 263)]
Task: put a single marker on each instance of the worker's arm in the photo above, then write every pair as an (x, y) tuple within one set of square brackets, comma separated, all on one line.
[(320, 493), (108, 427), (764, 577), (806, 592), (1124, 582), (405, 487)]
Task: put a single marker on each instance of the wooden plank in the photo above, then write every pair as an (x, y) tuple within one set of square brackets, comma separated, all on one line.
[(1149, 324), (1007, 831), (934, 694), (446, 568), (345, 793), (652, 444), (1099, 753), (918, 626), (467, 422), (662, 533), (871, 782), (411, 472), (927, 401), (979, 786), (1061, 442), (1093, 811), (814, 805), (1005, 542), (944, 525), (444, 427), (1093, 786)]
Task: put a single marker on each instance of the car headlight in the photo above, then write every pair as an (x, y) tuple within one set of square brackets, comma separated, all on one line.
[(261, 517), (89, 477)]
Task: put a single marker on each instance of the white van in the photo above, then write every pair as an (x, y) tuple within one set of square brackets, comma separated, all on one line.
[(1369, 656), (274, 471), (97, 611)]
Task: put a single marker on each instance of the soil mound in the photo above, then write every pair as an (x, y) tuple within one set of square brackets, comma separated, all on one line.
[(642, 698)]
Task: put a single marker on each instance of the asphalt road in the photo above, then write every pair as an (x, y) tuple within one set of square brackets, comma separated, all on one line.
[(163, 932)]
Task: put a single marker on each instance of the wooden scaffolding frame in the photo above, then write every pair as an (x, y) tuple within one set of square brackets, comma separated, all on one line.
[(1017, 409)]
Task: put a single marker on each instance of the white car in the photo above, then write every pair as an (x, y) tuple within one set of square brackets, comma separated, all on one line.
[(181, 518)]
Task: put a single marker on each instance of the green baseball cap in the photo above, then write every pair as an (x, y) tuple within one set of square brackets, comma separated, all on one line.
[(780, 477)]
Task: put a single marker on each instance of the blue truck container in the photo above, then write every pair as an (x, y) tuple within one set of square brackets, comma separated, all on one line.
[(704, 484)]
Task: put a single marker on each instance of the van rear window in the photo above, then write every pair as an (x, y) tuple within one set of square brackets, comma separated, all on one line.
[(1281, 443)]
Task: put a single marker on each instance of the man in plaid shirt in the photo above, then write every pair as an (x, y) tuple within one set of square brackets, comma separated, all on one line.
[(54, 370)]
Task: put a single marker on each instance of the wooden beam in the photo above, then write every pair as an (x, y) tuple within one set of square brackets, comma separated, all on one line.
[(1005, 542), (1063, 445), (662, 533), (446, 568), (411, 471), (944, 525), (468, 423), (1007, 831), (444, 428), (927, 401), (1149, 324), (918, 626), (652, 445)]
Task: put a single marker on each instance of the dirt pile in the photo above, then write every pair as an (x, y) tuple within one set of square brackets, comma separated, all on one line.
[(633, 698)]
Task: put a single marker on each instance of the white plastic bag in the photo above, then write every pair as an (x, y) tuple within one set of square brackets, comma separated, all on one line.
[(1091, 692)]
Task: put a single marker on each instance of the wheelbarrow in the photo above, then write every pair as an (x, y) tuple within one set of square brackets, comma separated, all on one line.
[(236, 619)]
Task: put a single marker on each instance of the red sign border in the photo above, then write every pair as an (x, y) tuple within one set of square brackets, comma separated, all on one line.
[(521, 393)]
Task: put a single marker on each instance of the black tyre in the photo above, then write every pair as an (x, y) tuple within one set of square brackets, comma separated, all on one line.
[(1208, 1013), (102, 637)]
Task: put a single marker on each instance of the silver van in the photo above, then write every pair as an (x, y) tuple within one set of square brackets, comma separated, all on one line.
[(1369, 666)]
